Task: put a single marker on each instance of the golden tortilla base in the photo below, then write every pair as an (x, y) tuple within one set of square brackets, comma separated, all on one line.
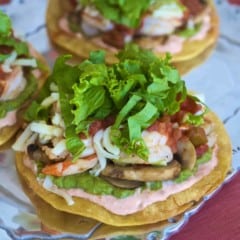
[(80, 47), (159, 211)]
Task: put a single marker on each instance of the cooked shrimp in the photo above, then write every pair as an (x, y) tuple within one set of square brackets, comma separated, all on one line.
[(164, 20), (159, 152), (68, 167), (153, 26)]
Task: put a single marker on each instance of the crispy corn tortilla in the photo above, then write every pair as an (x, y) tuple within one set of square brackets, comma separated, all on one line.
[(82, 46), (159, 211), (6, 133), (60, 221)]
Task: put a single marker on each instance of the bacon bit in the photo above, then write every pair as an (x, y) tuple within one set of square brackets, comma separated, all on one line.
[(200, 150), (189, 105)]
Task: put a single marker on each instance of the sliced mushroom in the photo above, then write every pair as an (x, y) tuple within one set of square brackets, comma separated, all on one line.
[(143, 173), (187, 153), (36, 153), (122, 183)]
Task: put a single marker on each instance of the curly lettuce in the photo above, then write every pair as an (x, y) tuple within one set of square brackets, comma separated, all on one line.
[(137, 90), (123, 12)]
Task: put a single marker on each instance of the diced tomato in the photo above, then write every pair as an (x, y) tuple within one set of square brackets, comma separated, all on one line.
[(178, 117), (100, 124), (200, 150), (166, 128), (108, 121), (175, 135), (189, 105), (95, 127)]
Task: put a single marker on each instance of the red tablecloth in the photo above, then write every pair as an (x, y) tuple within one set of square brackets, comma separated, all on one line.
[(218, 219)]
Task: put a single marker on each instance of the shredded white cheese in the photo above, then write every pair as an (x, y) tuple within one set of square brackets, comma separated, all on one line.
[(50, 100), (43, 128), (20, 143), (48, 185), (108, 144)]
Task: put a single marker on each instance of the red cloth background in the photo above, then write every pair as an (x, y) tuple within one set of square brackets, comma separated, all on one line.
[(218, 219)]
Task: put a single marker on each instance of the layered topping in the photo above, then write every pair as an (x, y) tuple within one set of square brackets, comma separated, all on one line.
[(17, 83), (116, 130), (118, 23)]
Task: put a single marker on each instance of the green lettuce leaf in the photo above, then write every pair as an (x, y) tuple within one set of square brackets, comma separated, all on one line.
[(123, 12), (7, 38), (6, 25), (65, 76)]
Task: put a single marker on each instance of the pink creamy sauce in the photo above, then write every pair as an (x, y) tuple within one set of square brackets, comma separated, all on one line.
[(140, 200), (173, 45), (206, 26), (9, 120)]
